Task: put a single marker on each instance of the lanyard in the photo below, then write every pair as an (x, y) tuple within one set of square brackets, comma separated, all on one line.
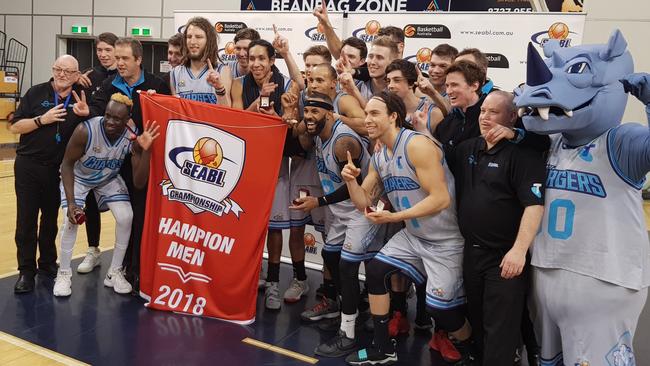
[(67, 100), (57, 137)]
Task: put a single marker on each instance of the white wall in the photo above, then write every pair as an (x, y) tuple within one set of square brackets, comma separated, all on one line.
[(37, 22)]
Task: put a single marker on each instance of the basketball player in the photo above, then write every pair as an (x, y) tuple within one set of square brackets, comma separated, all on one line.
[(351, 238), (442, 56), (92, 161), (242, 39), (196, 78), (420, 187), (264, 80), (382, 52)]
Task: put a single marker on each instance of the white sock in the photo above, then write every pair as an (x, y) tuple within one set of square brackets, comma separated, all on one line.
[(68, 238), (347, 324), (123, 215)]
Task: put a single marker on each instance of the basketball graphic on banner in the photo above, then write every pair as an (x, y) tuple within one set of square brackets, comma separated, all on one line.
[(558, 30), (372, 28), (423, 55), (208, 152)]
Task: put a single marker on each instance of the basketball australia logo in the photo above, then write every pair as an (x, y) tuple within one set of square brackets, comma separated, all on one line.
[(204, 165)]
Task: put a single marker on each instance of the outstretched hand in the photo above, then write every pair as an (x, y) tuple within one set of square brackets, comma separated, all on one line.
[(145, 140), (214, 77)]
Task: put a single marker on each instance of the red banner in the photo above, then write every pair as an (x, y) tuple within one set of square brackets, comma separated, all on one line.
[(211, 183)]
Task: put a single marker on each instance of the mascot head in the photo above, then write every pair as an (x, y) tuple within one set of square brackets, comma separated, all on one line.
[(575, 91)]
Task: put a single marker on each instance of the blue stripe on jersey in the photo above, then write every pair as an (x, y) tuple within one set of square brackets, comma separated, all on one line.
[(90, 134), (406, 267), (443, 304), (279, 225), (611, 135), (302, 222), (406, 152)]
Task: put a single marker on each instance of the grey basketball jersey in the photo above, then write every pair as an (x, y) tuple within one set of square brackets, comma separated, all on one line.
[(234, 69), (328, 165), (593, 222), (102, 159), (403, 190), (196, 88)]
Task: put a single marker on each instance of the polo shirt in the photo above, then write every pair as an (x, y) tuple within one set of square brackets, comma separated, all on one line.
[(493, 187), (41, 144)]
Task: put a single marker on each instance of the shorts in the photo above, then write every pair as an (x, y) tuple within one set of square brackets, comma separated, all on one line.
[(357, 238), (439, 265), (113, 190)]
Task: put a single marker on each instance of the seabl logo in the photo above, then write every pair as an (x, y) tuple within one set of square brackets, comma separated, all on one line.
[(558, 30), (227, 53), (204, 165), (369, 32), (316, 34)]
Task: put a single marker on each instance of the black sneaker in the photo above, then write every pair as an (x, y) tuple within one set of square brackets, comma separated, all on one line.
[(373, 356), (338, 346), (466, 350)]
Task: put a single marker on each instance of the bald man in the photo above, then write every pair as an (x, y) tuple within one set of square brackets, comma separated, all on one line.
[(494, 175), (45, 119)]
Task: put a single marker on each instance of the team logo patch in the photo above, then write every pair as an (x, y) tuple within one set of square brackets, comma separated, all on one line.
[(585, 153), (204, 165), (536, 190), (621, 353)]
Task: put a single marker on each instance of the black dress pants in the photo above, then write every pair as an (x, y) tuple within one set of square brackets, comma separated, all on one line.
[(495, 305), (37, 191)]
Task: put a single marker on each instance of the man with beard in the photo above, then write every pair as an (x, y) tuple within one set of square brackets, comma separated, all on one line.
[(351, 238), (197, 78)]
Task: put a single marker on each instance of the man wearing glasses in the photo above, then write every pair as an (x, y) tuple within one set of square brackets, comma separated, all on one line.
[(45, 119)]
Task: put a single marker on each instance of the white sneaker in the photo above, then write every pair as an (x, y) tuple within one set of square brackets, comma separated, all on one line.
[(63, 283), (296, 290), (272, 296), (115, 279), (91, 260)]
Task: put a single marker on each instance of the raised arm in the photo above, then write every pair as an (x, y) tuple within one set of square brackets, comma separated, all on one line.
[(141, 153), (281, 44), (352, 114), (333, 41)]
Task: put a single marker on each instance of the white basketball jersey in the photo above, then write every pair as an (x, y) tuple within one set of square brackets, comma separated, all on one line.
[(102, 159), (234, 69), (188, 86), (328, 166), (403, 189), (593, 222)]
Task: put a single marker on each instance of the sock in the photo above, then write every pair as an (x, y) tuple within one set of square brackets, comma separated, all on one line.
[(421, 301), (381, 338), (398, 302), (68, 238), (118, 255), (330, 289), (299, 270), (273, 272), (347, 324)]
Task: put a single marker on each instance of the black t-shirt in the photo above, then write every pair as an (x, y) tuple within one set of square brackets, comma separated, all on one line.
[(41, 144), (97, 76), (458, 126), (494, 187)]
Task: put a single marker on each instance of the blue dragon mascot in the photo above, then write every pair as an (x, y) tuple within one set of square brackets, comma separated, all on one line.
[(591, 257)]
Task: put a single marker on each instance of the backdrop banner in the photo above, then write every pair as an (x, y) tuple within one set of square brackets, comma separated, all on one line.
[(211, 183)]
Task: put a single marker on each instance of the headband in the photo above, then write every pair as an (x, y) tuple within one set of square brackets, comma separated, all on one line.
[(319, 104)]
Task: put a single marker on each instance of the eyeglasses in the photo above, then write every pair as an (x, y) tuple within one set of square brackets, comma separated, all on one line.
[(58, 70)]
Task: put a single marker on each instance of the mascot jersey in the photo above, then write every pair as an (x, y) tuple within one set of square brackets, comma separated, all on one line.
[(582, 185), (593, 221)]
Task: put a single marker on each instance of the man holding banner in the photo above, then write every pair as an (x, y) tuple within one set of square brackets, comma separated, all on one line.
[(211, 187)]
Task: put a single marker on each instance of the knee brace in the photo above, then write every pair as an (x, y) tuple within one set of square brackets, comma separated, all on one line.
[(377, 272)]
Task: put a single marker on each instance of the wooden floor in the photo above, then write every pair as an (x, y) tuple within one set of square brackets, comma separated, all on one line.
[(14, 351)]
